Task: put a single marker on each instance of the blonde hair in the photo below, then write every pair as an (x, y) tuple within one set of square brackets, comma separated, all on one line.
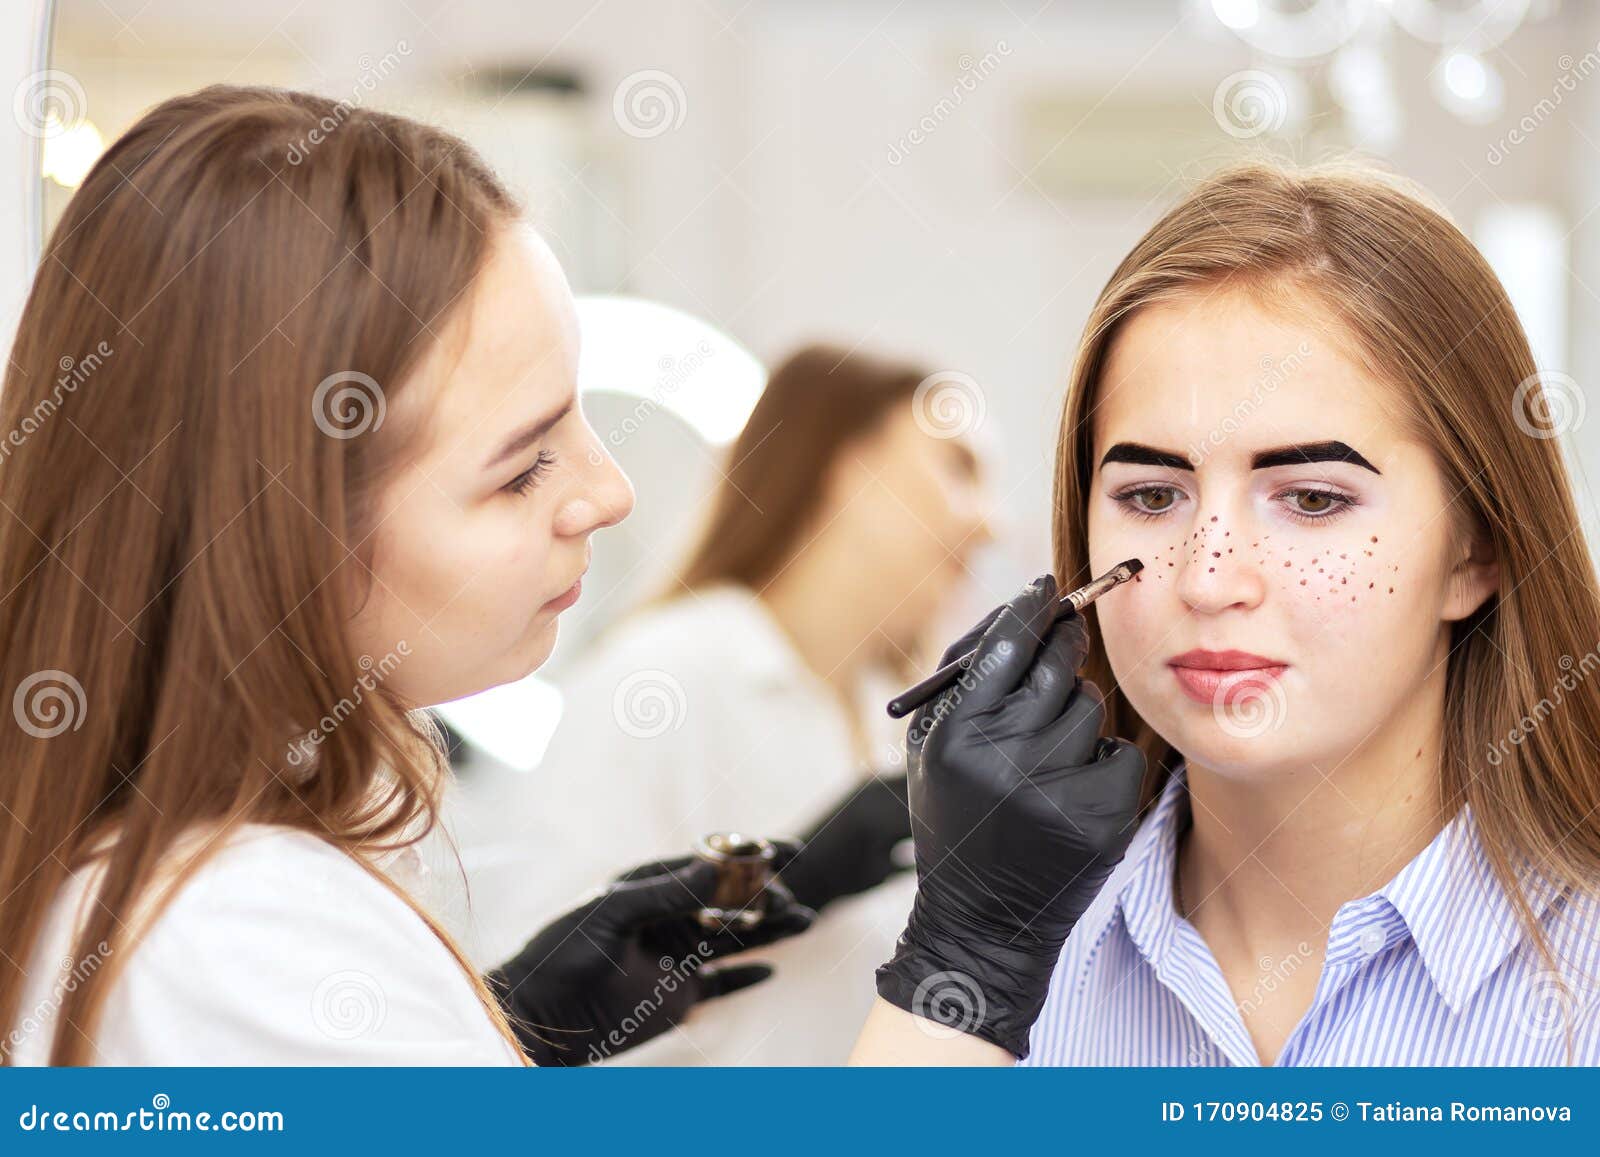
[(181, 516), (1422, 308)]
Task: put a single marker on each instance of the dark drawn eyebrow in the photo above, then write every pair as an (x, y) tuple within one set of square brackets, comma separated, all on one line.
[(1299, 455), (527, 436)]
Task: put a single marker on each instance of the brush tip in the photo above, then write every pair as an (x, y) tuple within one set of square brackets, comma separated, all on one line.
[(1134, 566)]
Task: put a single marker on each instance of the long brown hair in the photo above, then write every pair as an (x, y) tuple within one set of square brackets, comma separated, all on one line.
[(1431, 318), (816, 403), (188, 506)]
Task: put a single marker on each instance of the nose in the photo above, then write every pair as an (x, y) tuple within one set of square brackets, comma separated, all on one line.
[(1217, 571), (603, 496)]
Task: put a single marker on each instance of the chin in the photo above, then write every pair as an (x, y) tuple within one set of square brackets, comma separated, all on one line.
[(541, 648)]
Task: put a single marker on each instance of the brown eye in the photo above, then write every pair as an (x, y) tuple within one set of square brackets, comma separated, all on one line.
[(1309, 505), (1147, 501), (1157, 499)]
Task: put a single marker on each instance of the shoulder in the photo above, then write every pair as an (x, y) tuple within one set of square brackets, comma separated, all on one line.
[(281, 949), (663, 677)]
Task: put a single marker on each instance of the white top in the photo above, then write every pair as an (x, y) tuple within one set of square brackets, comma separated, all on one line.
[(694, 717), (279, 950)]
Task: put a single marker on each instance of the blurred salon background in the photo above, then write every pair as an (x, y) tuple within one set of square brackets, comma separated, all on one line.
[(833, 260)]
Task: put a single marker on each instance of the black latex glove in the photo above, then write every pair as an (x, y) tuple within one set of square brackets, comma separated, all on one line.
[(1019, 812), (629, 964), (849, 849)]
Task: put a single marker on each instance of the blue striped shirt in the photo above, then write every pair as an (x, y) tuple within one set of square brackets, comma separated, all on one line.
[(1431, 969)]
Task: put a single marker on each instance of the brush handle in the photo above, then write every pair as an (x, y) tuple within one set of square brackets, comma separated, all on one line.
[(919, 693)]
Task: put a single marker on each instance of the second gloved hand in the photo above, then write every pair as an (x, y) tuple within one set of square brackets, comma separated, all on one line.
[(851, 849), (1019, 812), (629, 964)]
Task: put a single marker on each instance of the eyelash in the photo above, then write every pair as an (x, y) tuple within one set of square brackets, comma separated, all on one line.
[(1343, 503), (529, 478)]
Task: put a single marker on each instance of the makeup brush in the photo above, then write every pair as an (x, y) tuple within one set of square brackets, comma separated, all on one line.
[(1071, 603)]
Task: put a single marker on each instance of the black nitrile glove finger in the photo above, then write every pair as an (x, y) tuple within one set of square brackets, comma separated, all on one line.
[(1019, 812), (629, 964), (851, 848)]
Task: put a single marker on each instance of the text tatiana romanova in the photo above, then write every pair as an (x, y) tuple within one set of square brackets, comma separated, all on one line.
[(1395, 1111)]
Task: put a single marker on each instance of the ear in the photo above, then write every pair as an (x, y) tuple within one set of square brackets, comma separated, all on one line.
[(1475, 577)]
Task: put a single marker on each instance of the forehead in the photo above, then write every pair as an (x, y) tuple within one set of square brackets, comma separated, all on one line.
[(511, 354), (1220, 372)]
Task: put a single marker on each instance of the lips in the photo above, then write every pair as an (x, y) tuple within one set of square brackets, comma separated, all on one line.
[(1213, 677), (566, 598), (1223, 661)]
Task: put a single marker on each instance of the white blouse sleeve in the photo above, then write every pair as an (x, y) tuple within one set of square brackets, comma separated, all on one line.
[(280, 950)]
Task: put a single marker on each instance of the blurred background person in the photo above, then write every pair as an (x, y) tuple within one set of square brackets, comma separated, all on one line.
[(749, 695)]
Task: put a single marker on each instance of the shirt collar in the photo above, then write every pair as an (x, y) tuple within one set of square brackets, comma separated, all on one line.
[(1462, 921), (1145, 895)]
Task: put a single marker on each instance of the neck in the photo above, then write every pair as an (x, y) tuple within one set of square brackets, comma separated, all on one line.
[(1272, 860), (830, 616)]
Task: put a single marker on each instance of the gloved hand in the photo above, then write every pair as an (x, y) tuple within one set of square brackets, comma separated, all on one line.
[(1019, 812), (629, 964), (850, 849)]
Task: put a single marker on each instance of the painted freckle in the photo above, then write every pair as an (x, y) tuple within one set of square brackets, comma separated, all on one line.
[(1210, 569), (1216, 554)]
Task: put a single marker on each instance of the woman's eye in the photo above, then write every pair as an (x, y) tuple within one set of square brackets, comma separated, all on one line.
[(1148, 501), (1309, 505), (529, 478)]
